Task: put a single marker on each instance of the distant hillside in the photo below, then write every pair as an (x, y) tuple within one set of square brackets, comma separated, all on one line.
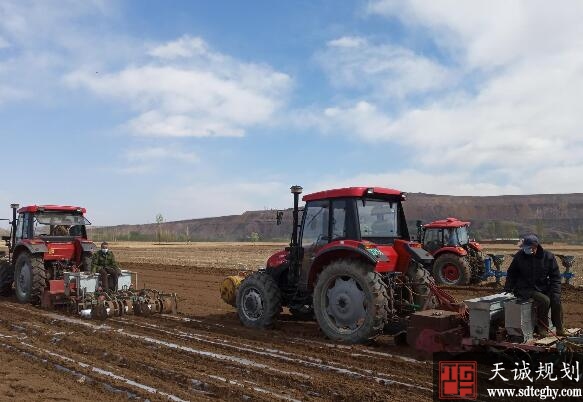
[(552, 216)]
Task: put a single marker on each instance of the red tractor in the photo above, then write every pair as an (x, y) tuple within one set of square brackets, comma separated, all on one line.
[(350, 263), (45, 241), (458, 260)]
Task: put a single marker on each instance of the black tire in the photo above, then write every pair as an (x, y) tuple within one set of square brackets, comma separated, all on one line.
[(258, 301), (476, 263), (451, 269), (30, 278), (6, 278), (350, 302), (419, 279)]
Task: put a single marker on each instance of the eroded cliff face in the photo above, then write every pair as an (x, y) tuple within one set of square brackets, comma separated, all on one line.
[(553, 216)]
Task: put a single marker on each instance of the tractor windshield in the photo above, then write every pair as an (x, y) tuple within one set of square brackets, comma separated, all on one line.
[(378, 219), (463, 236), (456, 236), (59, 224)]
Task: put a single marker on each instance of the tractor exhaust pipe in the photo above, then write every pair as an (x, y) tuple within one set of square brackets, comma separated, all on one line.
[(294, 246), (296, 191), (13, 226)]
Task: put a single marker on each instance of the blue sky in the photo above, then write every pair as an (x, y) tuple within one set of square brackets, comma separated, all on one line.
[(205, 108)]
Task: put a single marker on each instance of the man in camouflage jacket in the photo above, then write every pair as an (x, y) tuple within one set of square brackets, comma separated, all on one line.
[(103, 262)]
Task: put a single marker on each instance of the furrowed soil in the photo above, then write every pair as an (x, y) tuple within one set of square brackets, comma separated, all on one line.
[(203, 352)]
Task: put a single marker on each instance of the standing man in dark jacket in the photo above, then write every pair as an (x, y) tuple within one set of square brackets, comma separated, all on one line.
[(103, 262), (534, 274)]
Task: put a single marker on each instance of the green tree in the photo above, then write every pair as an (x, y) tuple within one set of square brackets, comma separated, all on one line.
[(254, 237), (159, 220)]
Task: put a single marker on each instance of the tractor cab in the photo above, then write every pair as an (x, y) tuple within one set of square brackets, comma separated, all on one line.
[(449, 232), (458, 260), (60, 224), (356, 222)]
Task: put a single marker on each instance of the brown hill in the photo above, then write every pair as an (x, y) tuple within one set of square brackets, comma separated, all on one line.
[(552, 216)]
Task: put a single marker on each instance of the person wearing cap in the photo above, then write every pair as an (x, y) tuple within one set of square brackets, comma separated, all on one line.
[(103, 262), (534, 274)]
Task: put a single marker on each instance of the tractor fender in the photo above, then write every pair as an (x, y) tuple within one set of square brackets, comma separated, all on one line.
[(452, 250), (27, 248), (336, 253), (32, 248)]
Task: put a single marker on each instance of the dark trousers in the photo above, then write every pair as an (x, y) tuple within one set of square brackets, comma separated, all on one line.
[(543, 303), (108, 277)]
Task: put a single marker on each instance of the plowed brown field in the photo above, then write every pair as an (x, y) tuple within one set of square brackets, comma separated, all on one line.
[(202, 353)]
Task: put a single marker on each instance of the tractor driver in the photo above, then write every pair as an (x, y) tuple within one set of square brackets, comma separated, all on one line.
[(534, 274), (103, 262), (61, 230)]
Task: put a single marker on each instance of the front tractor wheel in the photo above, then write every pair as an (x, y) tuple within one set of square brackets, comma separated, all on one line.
[(350, 302), (450, 269), (29, 278), (258, 301)]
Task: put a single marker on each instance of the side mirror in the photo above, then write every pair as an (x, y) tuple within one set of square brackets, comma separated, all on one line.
[(279, 217)]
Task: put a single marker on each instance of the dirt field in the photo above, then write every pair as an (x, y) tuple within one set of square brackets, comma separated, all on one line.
[(204, 353)]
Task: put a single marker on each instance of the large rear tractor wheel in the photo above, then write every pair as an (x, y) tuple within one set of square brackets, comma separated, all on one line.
[(6, 278), (350, 302), (30, 278), (258, 301), (420, 279), (451, 269)]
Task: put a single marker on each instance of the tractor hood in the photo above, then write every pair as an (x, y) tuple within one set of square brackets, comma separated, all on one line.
[(277, 259)]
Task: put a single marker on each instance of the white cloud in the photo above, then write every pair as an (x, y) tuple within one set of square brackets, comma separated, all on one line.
[(493, 32), (204, 93), (160, 153), (184, 47), (10, 94), (511, 121), (48, 38), (384, 70), (347, 42), (362, 119)]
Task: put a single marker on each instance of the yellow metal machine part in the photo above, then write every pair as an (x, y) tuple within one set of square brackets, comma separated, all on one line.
[(229, 287)]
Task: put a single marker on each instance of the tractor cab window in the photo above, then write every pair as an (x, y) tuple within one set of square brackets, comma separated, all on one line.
[(22, 227), (462, 235), (378, 220), (315, 228), (450, 237), (59, 224), (343, 220), (432, 240)]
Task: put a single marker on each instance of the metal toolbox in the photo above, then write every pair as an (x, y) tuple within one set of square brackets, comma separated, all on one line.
[(124, 281), (84, 282), (519, 320), (484, 311)]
